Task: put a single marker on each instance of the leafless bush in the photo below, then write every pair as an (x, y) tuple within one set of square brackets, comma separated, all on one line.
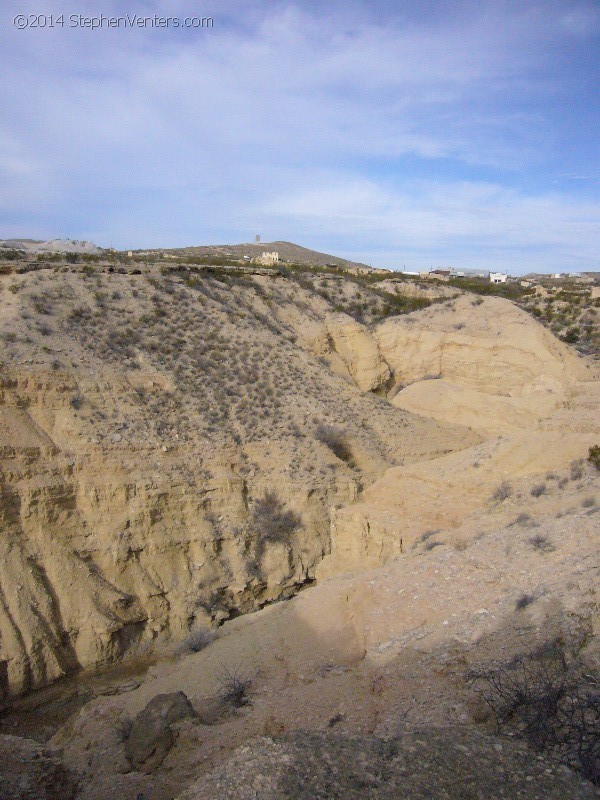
[(233, 689), (195, 641), (538, 490), (577, 469), (551, 701), (523, 519), (541, 543), (431, 544), (502, 492)]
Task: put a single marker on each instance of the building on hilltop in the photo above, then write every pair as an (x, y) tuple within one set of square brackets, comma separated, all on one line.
[(267, 259), (498, 277)]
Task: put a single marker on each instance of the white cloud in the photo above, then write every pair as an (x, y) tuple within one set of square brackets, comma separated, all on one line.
[(461, 221), (296, 120)]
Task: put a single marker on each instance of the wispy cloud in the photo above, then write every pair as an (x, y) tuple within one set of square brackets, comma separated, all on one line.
[(365, 127)]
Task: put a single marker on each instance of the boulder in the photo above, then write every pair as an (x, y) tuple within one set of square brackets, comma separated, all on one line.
[(151, 736)]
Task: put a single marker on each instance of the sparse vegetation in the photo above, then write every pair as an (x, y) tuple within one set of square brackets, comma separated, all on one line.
[(523, 601), (594, 456), (233, 688), (541, 544), (550, 699), (197, 640), (524, 519), (272, 521), (538, 490), (502, 492)]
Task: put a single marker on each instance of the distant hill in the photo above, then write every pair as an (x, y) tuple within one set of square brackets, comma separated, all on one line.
[(288, 251), (50, 246)]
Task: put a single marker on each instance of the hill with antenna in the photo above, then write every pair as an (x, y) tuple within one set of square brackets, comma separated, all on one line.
[(288, 252)]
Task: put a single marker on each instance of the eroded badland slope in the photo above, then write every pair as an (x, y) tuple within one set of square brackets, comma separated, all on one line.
[(182, 448), (142, 418)]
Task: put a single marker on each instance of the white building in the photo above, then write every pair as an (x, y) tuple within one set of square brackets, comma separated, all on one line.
[(498, 277), (267, 259)]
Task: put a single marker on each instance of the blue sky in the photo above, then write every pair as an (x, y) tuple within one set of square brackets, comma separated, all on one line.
[(403, 134)]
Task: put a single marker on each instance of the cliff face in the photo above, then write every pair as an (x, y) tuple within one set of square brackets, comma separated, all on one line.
[(107, 551), (160, 463), (174, 447), (481, 363), (487, 344)]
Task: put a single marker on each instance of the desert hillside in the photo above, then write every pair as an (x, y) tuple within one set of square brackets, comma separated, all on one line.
[(181, 447)]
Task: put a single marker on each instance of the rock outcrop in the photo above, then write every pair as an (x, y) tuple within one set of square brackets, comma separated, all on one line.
[(487, 344), (151, 736)]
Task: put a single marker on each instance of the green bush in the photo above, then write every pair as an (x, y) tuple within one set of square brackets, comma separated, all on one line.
[(594, 456)]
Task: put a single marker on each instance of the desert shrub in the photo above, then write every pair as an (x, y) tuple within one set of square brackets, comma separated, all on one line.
[(502, 492), (549, 699), (11, 255), (523, 601), (588, 502), (425, 537), (429, 545), (197, 639), (541, 544), (594, 456), (523, 519), (76, 401), (538, 490), (233, 689), (576, 470), (271, 520), (572, 335)]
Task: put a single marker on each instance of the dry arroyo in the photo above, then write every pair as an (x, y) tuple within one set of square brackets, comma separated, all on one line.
[(180, 449)]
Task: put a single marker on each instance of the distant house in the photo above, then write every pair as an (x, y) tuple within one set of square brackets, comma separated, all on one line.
[(498, 277), (469, 273), (439, 274), (267, 259)]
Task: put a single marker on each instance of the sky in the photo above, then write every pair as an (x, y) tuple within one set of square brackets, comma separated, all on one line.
[(402, 134)]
